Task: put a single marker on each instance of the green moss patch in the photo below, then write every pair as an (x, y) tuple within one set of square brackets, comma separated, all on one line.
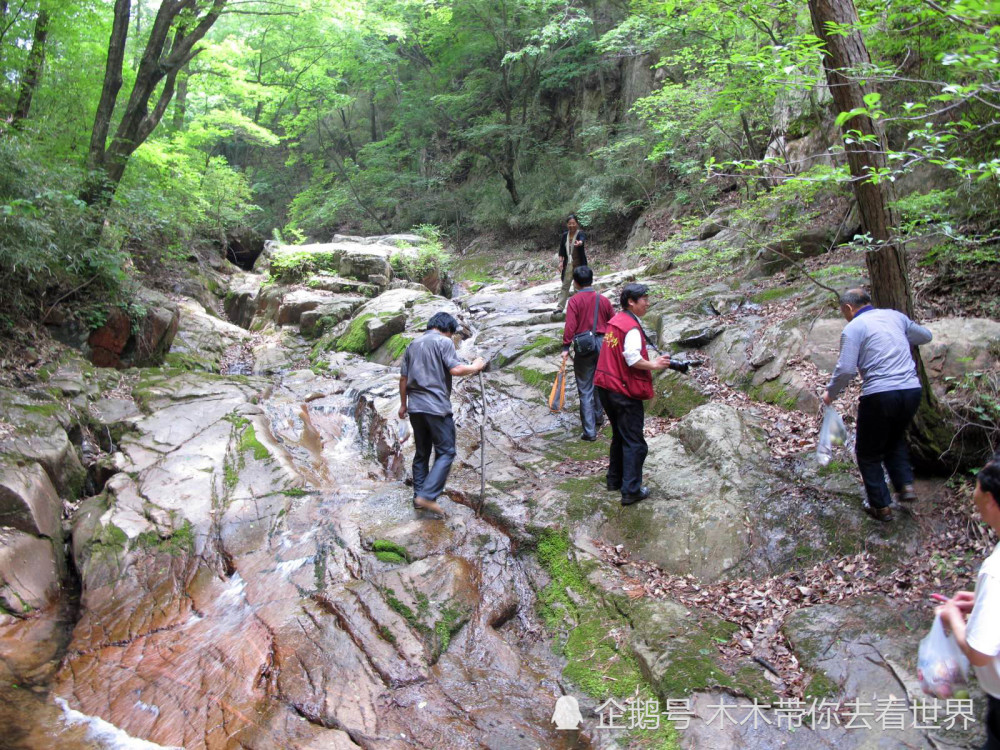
[(542, 346), (773, 392), (589, 626), (355, 338), (835, 467), (450, 623), (674, 397), (179, 541), (390, 552), (775, 293), (190, 362), (396, 345), (585, 495), (540, 380)]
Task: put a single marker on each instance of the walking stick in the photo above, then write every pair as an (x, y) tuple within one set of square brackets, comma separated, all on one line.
[(558, 387), (482, 447)]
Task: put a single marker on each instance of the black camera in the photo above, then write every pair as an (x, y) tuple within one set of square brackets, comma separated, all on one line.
[(682, 366)]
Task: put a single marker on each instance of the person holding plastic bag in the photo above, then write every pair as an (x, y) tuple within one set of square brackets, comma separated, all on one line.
[(979, 636), (831, 433), (877, 344)]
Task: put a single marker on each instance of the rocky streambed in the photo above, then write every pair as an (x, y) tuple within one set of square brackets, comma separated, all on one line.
[(198, 559)]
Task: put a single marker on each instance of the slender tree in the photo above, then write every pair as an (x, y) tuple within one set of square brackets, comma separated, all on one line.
[(33, 69)]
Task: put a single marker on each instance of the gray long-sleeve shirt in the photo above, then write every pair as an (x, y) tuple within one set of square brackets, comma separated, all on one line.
[(877, 343)]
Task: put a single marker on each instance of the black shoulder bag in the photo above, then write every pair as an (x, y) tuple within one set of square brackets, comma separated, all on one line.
[(586, 344)]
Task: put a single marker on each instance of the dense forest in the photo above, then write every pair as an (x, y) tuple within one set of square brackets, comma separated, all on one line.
[(158, 127), (210, 533)]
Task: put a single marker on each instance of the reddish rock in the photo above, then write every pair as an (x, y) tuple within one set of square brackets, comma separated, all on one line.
[(108, 342)]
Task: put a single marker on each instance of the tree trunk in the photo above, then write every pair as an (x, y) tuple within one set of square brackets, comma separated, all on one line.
[(180, 101), (94, 188), (162, 59), (865, 146), (865, 152), (33, 70)]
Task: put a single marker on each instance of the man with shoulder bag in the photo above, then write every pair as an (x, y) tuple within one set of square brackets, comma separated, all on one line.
[(587, 318)]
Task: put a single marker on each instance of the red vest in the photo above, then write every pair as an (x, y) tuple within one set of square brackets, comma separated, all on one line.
[(612, 371)]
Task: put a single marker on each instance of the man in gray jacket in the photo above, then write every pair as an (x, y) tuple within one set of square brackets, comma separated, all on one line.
[(877, 344), (425, 396)]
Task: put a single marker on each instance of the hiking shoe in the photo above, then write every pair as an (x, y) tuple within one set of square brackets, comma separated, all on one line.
[(422, 503), (588, 438), (908, 494), (641, 495), (879, 514)]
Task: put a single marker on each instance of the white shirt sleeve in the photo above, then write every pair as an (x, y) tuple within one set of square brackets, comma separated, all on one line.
[(632, 349), (983, 629)]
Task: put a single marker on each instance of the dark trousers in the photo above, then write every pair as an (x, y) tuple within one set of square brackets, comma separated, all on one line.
[(628, 446), (590, 405), (992, 724), (437, 432), (882, 422)]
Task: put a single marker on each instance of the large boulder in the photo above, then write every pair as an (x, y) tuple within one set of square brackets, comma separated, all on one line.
[(367, 264), (28, 501), (139, 337), (703, 478), (29, 572), (378, 320), (41, 436), (203, 339), (240, 302), (960, 346), (327, 314), (298, 301)]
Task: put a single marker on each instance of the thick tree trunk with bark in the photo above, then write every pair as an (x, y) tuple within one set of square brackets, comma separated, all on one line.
[(33, 70), (178, 26), (865, 145)]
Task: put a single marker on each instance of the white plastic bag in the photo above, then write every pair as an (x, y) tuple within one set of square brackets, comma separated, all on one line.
[(832, 432), (941, 666), (402, 430)]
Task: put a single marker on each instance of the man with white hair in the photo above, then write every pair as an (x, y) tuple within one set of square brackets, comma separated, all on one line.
[(877, 344)]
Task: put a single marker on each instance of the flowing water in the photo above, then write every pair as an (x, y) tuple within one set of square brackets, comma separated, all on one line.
[(494, 685)]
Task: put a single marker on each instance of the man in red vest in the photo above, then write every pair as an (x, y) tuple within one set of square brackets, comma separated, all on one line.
[(624, 379)]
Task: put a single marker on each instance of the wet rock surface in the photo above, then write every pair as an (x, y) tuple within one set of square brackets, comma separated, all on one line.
[(252, 572)]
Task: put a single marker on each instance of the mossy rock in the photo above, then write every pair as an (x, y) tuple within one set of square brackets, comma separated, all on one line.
[(290, 264), (774, 392), (775, 293), (192, 362), (179, 541), (368, 331), (675, 397), (391, 352), (585, 495), (678, 651), (587, 626)]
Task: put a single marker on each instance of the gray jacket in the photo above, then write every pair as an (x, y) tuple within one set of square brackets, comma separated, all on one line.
[(877, 343)]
